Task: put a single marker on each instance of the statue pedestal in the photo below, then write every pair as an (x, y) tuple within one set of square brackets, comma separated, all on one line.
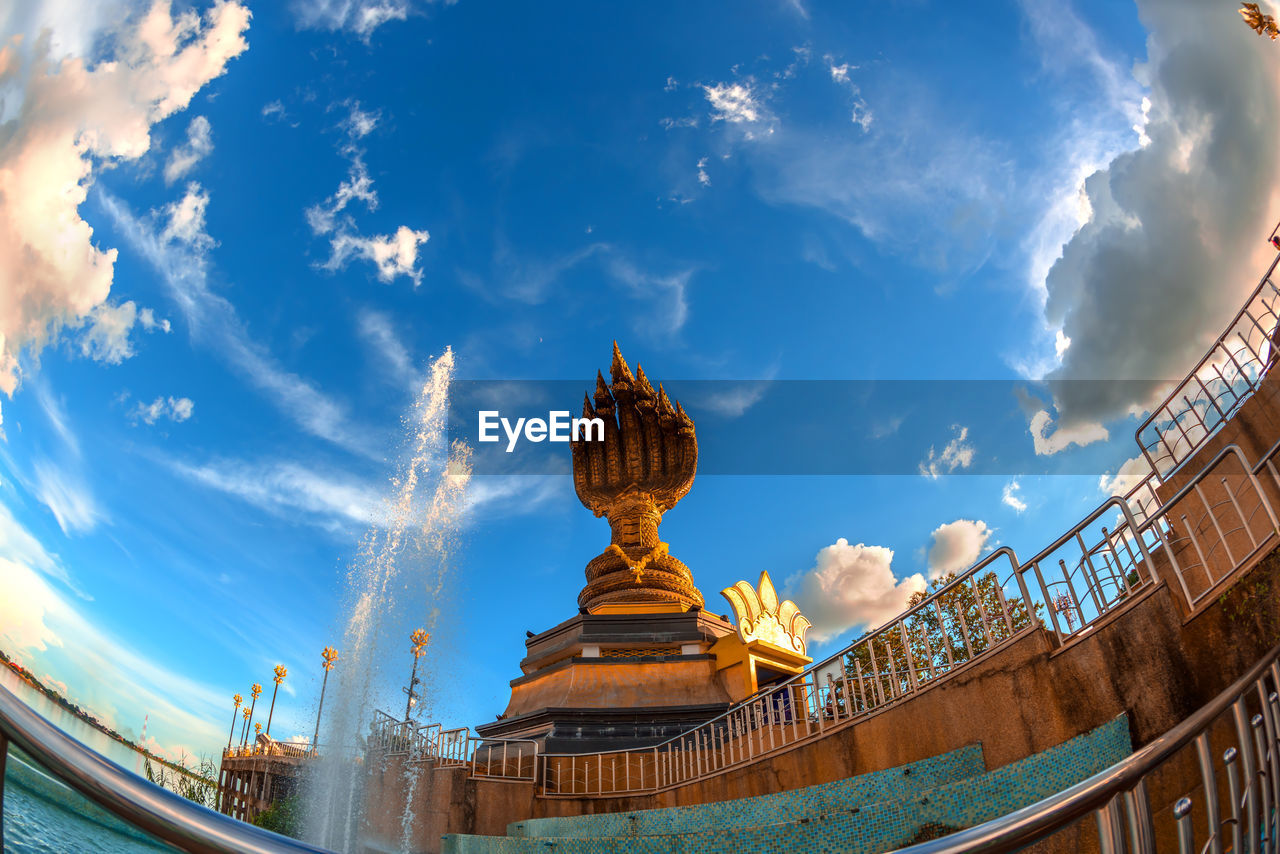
[(609, 681)]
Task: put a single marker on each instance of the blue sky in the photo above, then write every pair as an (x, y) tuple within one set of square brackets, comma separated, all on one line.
[(233, 236)]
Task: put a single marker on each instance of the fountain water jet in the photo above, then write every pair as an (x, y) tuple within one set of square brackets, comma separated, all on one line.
[(395, 580)]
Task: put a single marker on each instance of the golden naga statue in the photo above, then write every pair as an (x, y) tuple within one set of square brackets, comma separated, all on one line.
[(760, 616), (1258, 22), (645, 465)]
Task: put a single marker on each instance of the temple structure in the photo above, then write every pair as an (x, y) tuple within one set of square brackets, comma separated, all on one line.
[(642, 660)]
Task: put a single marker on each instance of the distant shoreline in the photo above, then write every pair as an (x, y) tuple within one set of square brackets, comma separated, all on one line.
[(87, 717)]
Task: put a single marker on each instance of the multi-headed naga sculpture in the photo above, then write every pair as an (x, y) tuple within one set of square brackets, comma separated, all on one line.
[(645, 465)]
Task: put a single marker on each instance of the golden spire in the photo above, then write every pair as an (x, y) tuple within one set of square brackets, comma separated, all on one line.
[(644, 466)]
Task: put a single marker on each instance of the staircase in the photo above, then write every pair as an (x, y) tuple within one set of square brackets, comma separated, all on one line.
[(861, 815)]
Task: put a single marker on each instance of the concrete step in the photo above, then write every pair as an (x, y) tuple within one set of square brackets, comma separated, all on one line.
[(861, 829), (889, 784)]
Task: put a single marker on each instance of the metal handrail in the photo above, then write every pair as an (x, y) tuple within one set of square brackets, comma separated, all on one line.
[(1037, 821), (809, 677), (1180, 388), (164, 814)]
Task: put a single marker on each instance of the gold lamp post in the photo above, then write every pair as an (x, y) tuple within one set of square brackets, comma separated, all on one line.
[(244, 727), (330, 655), (254, 690), (419, 640), (236, 698), (279, 677)]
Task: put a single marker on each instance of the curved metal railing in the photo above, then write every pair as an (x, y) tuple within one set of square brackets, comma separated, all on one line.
[(1248, 774), (151, 808), (1218, 385)]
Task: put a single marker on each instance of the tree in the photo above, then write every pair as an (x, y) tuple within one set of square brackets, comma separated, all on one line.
[(963, 622)]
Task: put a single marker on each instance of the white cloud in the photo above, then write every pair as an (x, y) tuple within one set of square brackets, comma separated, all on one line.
[(273, 111), (957, 546), (703, 178), (55, 410), (70, 118), (151, 323), (180, 254), (285, 488), (1011, 496), (515, 495), (176, 409), (184, 158), (107, 337), (392, 255), (67, 497), (1063, 437), (666, 291), (851, 586), (735, 103), (20, 545), (1173, 242), (956, 454), (375, 328), (1130, 474), (861, 114), (361, 17), (185, 218)]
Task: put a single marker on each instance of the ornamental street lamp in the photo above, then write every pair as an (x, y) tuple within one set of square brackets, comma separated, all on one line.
[(330, 655), (255, 689), (419, 640), (279, 677), (237, 698), (244, 727)]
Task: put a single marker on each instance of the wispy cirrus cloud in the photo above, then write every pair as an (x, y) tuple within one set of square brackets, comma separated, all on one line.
[(956, 454), (360, 17), (175, 243)]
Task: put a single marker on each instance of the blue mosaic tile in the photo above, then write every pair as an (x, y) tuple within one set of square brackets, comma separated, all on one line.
[(863, 815)]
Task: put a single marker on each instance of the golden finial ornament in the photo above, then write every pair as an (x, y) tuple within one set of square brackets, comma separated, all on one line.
[(330, 655), (1263, 25), (419, 640), (760, 616), (255, 689), (643, 466), (280, 673)]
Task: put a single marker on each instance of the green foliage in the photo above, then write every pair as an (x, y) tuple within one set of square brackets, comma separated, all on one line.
[(284, 817), (1248, 604), (961, 624), (193, 785)]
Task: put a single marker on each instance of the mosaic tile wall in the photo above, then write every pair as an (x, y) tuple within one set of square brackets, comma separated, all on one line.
[(890, 784), (871, 827)]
